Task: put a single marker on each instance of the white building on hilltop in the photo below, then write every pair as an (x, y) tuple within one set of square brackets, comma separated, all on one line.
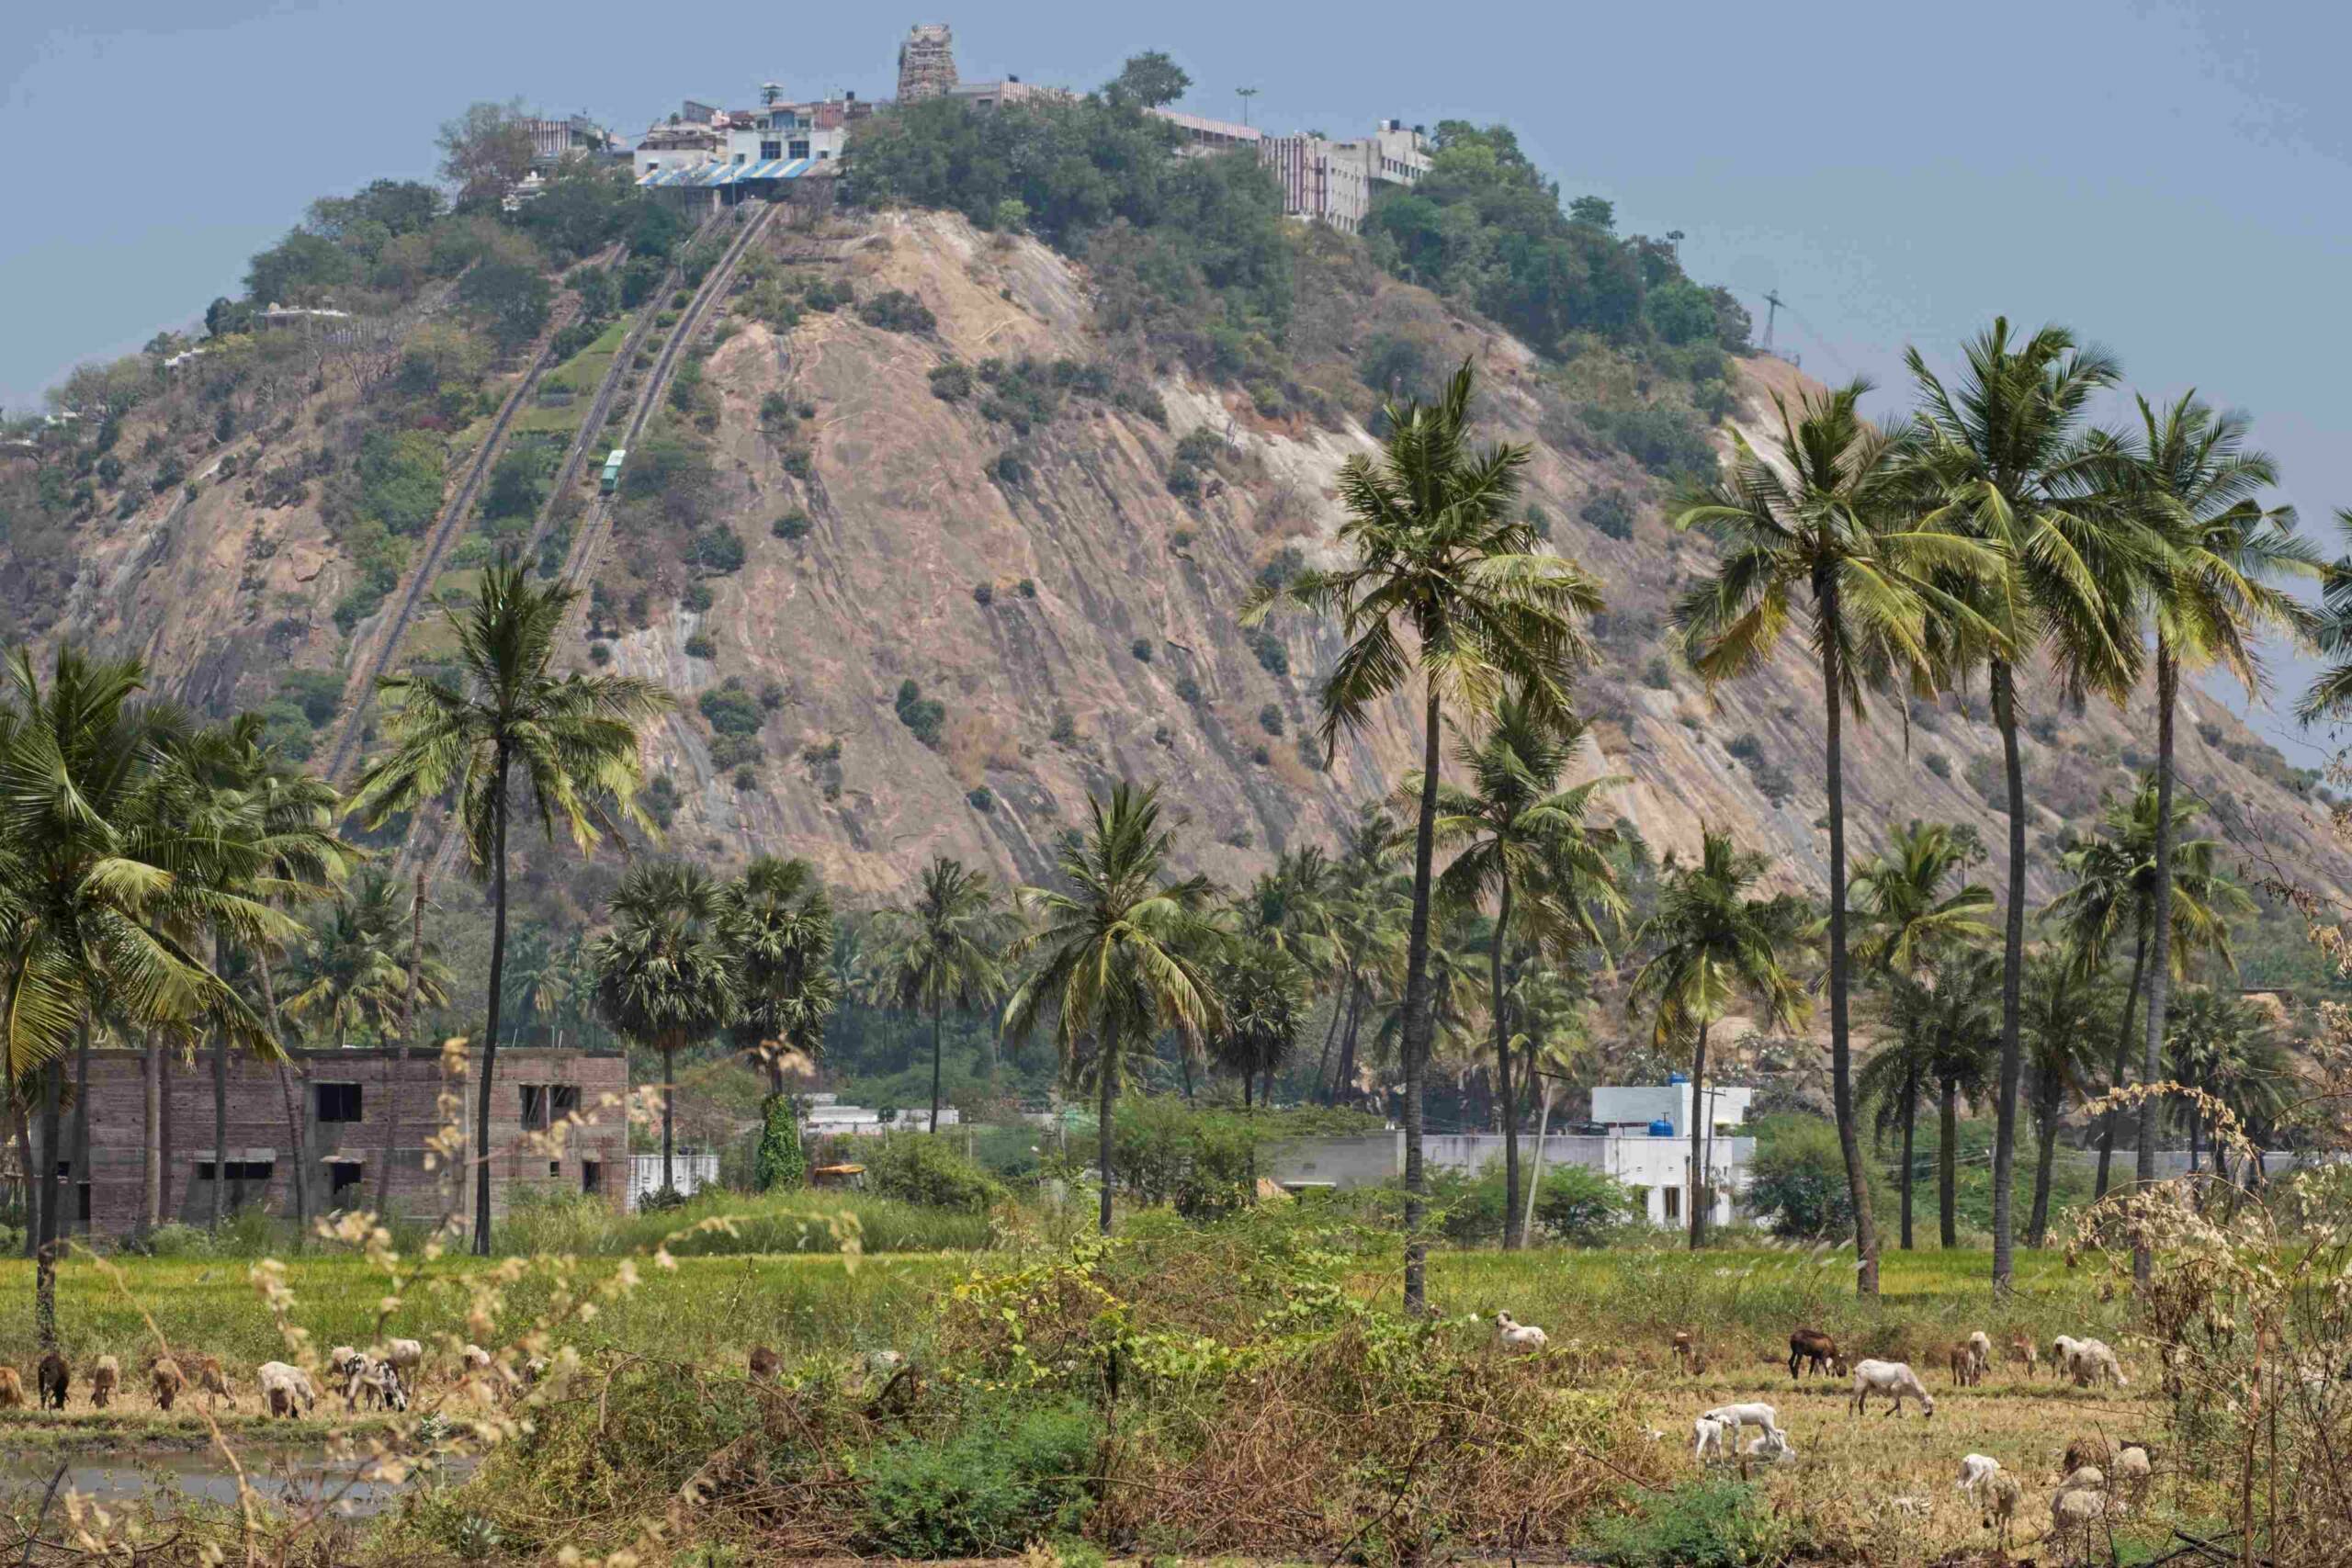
[(1322, 181)]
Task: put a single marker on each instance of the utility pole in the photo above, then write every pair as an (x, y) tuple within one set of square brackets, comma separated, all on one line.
[(1245, 94), (1772, 311)]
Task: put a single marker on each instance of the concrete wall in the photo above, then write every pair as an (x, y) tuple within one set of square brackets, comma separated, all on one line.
[(391, 1085), (1656, 1165)]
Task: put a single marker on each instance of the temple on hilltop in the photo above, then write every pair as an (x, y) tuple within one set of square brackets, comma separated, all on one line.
[(926, 62)]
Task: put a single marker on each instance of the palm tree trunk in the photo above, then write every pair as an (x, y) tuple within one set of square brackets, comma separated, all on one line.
[(2196, 1125), (1510, 1102), (934, 1061), (220, 1120), (1417, 1022), (1535, 1177), (669, 1080), (2160, 923), (296, 1122), (45, 1256), (1698, 1183), (1331, 1034), (1910, 1134), (1344, 1079), (497, 979), (2122, 1064), (32, 1183), (1841, 1043), (79, 1151), (2049, 1093), (1106, 1071), (2005, 1107), (150, 1163), (1947, 1163), (398, 1051)]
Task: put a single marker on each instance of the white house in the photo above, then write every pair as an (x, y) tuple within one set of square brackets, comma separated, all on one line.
[(1634, 1107), (825, 1117)]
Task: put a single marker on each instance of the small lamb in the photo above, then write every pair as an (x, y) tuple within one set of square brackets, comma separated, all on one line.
[(1706, 1433), (1893, 1379), (2132, 1468), (1975, 1470), (1754, 1413), (1523, 1338)]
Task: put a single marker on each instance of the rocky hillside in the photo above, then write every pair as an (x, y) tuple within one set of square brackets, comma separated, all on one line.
[(989, 562)]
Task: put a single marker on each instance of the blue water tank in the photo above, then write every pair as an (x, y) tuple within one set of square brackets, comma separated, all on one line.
[(1661, 1128), (1672, 1078)]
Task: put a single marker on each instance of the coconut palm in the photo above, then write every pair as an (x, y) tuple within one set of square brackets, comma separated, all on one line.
[(1891, 1081), (2226, 1047), (1518, 831), (1370, 902), (2062, 1019), (946, 949), (2329, 696), (1447, 586), (1554, 1013), (2198, 486), (1826, 514), (2011, 467), (1899, 898), (665, 976), (573, 740), (1116, 955), (107, 889), (1713, 942), (353, 973), (779, 928), (2112, 890)]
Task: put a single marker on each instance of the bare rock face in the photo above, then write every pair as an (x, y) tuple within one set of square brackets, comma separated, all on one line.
[(1075, 619)]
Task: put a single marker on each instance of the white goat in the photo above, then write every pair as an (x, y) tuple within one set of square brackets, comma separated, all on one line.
[(1975, 1470), (2091, 1360), (2062, 1354), (1980, 1344), (1523, 1338), (1997, 1499), (1756, 1414), (405, 1354), (2132, 1468), (1775, 1444), (1893, 1379), (1706, 1432), (286, 1390)]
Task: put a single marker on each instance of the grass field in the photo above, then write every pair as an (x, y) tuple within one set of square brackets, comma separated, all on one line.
[(579, 375), (1611, 1315)]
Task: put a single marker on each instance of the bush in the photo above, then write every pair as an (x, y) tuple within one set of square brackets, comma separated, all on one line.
[(1200, 1163), (1939, 765), (699, 597), (780, 1162), (700, 646), (923, 715), (951, 383), (731, 710), (1584, 1207), (1188, 690), (983, 595), (916, 1168), (735, 750), (896, 310), (980, 799), (1272, 657), (1657, 674), (746, 778), (1002, 1480), (1746, 748), (1270, 718), (1609, 512), (1719, 1523), (791, 525), (1799, 1178), (718, 550), (1141, 649)]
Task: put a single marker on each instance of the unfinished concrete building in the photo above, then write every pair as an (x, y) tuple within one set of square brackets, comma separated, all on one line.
[(359, 1108), (926, 62)]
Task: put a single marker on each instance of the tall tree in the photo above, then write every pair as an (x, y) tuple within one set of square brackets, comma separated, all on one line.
[(485, 151), (1262, 991), (946, 949), (1825, 514), (2198, 486), (1369, 904), (2112, 890), (573, 736), (779, 929), (1900, 898), (1712, 943), (665, 976), (2011, 466), (1448, 583), (1517, 830), (1116, 955), (2062, 1018), (2225, 1047)]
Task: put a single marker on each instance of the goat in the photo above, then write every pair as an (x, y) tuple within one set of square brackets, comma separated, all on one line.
[(405, 1354), (1975, 1470), (1683, 1348), (766, 1363), (2089, 1478), (12, 1390), (211, 1380), (2090, 1362), (286, 1390), (1815, 1350), (377, 1382), (164, 1380), (1961, 1358), (55, 1376), (2061, 1353), (477, 1361), (2132, 1468), (1523, 1337), (2074, 1510), (1706, 1432), (1981, 1347), (1893, 1379), (104, 1373), (1762, 1417), (1998, 1498), (2022, 1352), (1775, 1443)]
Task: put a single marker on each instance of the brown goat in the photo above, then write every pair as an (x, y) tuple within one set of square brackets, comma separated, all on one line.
[(210, 1380), (1812, 1348), (1683, 1347), (1963, 1359), (55, 1376), (164, 1380), (2023, 1352), (766, 1364), (104, 1372), (12, 1390)]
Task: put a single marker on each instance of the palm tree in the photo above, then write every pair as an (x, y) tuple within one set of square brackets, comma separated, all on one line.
[(946, 948), (2329, 696), (1891, 1081), (664, 977), (1367, 936), (1554, 1013), (2113, 889), (1712, 943), (573, 738), (1516, 829), (107, 883), (1262, 992), (2012, 468), (1826, 513), (2225, 1047), (2197, 485), (352, 973), (779, 929), (1448, 583), (1899, 897), (2062, 1056), (1116, 954)]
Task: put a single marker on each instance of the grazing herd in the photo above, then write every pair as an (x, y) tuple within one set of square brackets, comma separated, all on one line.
[(380, 1379), (2100, 1478)]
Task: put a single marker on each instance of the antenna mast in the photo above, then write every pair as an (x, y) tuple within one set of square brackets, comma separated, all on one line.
[(1245, 94), (1772, 311)]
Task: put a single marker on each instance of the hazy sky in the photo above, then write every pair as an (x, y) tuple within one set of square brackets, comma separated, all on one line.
[(2169, 180)]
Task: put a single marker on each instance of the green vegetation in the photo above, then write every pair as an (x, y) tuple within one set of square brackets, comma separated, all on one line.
[(924, 715)]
